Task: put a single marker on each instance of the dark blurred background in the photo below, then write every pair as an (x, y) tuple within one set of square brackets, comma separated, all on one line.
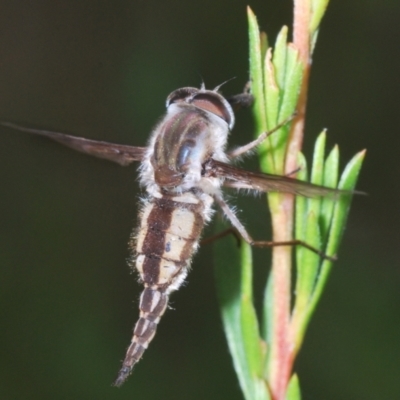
[(102, 69)]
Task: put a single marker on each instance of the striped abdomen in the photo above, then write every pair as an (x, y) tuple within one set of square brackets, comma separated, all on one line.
[(168, 236)]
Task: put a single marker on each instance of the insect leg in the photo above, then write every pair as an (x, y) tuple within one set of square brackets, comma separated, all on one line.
[(250, 146), (226, 232), (241, 100), (241, 230)]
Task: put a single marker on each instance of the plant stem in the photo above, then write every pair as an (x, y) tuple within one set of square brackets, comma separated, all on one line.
[(282, 341), (301, 40), (280, 365)]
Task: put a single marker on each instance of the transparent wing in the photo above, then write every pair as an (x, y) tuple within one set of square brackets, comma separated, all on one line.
[(119, 153), (238, 178)]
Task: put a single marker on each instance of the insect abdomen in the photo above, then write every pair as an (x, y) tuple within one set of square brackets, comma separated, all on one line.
[(168, 236)]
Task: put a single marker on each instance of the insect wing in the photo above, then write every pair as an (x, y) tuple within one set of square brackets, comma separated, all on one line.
[(119, 153), (241, 179)]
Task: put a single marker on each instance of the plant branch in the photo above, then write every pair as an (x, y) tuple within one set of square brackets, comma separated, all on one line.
[(282, 345)]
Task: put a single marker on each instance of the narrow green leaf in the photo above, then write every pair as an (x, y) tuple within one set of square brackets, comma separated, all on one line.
[(293, 391), (261, 390), (308, 261), (350, 174), (249, 322), (233, 273), (228, 276), (313, 41), (292, 84), (267, 311), (287, 101), (341, 208), (276, 89), (331, 168), (268, 320), (318, 159), (331, 173), (279, 58), (317, 173), (267, 149), (256, 72), (263, 45), (307, 268), (258, 53), (347, 181), (318, 11), (301, 223), (301, 207), (282, 77), (272, 91)]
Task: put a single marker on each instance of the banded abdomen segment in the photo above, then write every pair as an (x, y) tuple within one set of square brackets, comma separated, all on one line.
[(168, 236), (153, 303)]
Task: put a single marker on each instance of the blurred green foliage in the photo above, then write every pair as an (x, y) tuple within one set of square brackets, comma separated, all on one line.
[(103, 70)]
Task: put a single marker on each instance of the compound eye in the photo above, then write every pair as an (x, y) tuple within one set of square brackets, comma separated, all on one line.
[(211, 103), (182, 94)]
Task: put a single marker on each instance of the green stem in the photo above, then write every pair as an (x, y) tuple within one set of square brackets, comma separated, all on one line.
[(282, 210)]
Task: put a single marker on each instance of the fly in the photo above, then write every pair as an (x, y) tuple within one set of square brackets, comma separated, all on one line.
[(183, 169)]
